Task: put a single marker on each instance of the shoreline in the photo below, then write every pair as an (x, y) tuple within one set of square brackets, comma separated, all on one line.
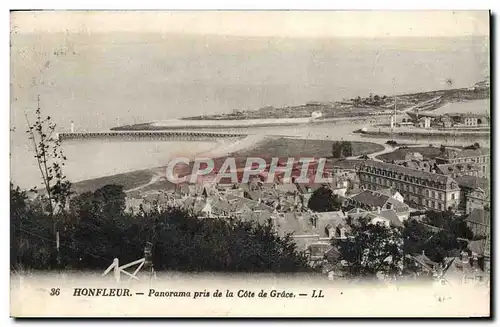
[(153, 178), (181, 124)]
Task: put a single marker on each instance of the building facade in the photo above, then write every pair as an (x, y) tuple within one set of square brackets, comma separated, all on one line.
[(481, 157), (474, 193), (419, 188)]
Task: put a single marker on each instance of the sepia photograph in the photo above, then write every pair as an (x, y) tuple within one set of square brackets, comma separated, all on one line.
[(250, 163)]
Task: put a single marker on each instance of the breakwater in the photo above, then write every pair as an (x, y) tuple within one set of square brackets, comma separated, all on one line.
[(141, 135)]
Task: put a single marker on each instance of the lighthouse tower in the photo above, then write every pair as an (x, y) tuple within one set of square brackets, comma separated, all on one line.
[(72, 127)]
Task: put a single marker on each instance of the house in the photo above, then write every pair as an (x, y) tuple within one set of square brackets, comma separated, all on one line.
[(424, 122), (306, 190), (387, 217), (311, 228), (316, 251), (480, 253), (252, 193), (474, 193), (472, 119), (420, 188), (417, 164), (445, 121), (427, 265), (464, 269), (458, 169), (330, 225), (375, 201), (480, 156), (479, 222), (389, 191)]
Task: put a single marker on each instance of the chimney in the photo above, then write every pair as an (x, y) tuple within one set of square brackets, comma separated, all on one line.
[(342, 233)]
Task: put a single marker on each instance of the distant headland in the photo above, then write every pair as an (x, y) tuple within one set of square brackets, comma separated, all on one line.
[(369, 107)]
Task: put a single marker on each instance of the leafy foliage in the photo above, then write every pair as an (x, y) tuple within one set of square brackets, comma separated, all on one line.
[(50, 159), (96, 230), (446, 220), (30, 233), (371, 249), (323, 200), (341, 149), (437, 235)]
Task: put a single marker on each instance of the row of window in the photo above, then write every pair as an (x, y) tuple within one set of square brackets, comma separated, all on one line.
[(404, 187), (482, 159), (432, 204), (405, 178), (410, 189)]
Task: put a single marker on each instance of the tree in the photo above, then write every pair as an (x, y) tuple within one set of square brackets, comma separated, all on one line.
[(415, 236), (110, 200), (32, 243), (106, 201), (438, 239), (323, 200), (50, 159), (371, 248), (96, 233), (342, 149), (186, 243), (446, 220), (346, 149)]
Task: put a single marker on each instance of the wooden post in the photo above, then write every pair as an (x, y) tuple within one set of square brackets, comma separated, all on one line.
[(148, 262), (116, 269)]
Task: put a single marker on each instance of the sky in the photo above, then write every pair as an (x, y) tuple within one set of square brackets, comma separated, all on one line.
[(367, 24)]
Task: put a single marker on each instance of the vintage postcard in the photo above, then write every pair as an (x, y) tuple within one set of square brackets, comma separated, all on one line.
[(250, 164)]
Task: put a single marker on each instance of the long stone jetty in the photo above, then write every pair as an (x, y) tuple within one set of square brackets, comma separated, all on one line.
[(140, 135)]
